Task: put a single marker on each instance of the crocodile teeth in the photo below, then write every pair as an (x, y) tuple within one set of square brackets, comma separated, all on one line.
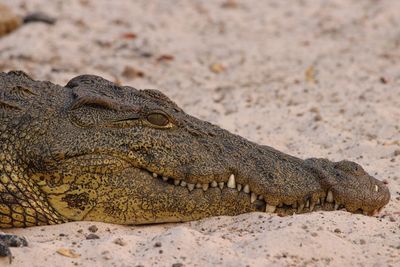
[(329, 197), (183, 183), (312, 206), (376, 188), (190, 186), (246, 189), (214, 184), (221, 185), (308, 204), (270, 208), (177, 182), (231, 182), (239, 187), (336, 205), (205, 187), (198, 185), (253, 197), (155, 175), (165, 178), (300, 207)]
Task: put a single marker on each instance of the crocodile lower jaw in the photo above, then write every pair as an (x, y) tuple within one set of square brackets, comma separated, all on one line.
[(325, 203), (325, 200)]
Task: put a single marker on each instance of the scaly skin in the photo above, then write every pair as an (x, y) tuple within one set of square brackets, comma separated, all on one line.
[(93, 150)]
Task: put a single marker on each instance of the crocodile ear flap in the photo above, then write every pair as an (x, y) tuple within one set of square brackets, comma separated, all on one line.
[(94, 91)]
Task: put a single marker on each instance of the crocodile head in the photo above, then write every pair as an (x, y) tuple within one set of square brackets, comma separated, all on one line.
[(117, 154)]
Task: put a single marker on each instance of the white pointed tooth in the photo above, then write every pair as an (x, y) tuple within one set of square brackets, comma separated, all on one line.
[(198, 185), (183, 183), (318, 202), (239, 187), (205, 187), (260, 197), (329, 196), (246, 189), (270, 208), (165, 178), (253, 197), (221, 185), (214, 184), (190, 186), (155, 175), (308, 204), (300, 207), (177, 182), (336, 205), (312, 206), (376, 188), (231, 182)]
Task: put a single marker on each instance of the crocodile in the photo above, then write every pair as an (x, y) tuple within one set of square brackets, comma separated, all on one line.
[(94, 150)]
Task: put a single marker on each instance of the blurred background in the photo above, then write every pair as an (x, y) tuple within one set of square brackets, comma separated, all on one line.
[(311, 78)]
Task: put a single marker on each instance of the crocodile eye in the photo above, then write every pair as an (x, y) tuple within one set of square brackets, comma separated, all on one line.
[(158, 119)]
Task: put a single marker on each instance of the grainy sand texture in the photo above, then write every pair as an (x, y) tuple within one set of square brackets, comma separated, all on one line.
[(310, 78)]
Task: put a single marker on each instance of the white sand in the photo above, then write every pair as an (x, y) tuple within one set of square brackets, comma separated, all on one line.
[(311, 78)]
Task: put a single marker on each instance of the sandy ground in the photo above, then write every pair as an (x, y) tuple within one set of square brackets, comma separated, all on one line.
[(310, 78)]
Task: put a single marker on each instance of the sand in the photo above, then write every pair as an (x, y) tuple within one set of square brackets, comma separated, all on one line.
[(310, 78)]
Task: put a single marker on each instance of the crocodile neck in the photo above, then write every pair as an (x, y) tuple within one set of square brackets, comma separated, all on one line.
[(22, 203)]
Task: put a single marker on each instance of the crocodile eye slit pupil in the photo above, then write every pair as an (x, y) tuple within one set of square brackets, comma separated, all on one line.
[(158, 119)]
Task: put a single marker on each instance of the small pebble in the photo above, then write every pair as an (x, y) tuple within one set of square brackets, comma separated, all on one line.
[(92, 236), (120, 241), (93, 228)]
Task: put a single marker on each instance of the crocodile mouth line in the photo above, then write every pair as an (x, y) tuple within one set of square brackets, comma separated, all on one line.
[(326, 202)]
